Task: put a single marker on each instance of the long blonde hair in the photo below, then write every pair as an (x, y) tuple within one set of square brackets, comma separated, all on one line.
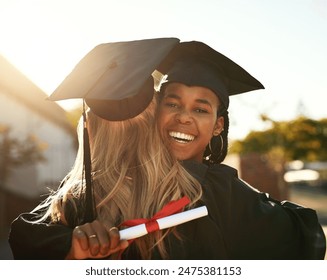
[(134, 175)]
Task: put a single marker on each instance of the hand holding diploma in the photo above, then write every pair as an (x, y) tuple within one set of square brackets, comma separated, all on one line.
[(140, 227)]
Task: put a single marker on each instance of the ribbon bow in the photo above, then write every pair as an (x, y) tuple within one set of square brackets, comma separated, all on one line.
[(151, 224)]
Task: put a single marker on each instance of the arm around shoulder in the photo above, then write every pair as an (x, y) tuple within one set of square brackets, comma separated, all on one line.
[(294, 229)]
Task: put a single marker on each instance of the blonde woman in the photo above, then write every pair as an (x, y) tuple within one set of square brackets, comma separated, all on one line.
[(133, 176)]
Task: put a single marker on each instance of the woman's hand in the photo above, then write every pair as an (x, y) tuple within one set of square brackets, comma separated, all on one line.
[(93, 241)]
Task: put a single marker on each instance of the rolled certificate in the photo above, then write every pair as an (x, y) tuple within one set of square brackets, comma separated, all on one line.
[(166, 222)]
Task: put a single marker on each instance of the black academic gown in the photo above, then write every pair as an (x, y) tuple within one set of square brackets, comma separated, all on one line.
[(243, 223)]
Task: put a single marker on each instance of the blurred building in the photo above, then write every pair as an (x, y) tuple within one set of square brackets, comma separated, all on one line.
[(258, 171), (25, 111)]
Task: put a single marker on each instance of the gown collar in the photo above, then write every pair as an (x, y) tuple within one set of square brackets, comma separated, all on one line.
[(197, 169)]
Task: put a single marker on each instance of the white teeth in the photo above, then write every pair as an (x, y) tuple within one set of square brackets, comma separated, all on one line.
[(181, 136)]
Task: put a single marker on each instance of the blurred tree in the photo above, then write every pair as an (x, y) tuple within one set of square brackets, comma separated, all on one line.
[(301, 139), (15, 152)]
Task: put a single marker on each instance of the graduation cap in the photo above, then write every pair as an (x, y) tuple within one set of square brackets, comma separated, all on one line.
[(196, 64), (115, 81)]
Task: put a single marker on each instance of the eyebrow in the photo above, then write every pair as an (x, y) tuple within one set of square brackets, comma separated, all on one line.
[(171, 95), (199, 100)]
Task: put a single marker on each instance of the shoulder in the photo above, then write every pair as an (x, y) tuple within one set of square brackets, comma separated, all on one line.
[(202, 171), (229, 176), (220, 177), (223, 169)]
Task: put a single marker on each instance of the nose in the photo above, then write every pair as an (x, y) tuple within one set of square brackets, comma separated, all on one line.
[(184, 117)]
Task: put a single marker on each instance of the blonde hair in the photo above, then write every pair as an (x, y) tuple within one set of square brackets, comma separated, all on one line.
[(134, 175)]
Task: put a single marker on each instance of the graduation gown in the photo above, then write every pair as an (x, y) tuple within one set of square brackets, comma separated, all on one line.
[(242, 223)]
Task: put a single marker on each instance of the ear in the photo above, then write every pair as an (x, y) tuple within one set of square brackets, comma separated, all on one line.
[(219, 126)]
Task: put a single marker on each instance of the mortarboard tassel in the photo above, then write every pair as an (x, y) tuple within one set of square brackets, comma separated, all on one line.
[(90, 211)]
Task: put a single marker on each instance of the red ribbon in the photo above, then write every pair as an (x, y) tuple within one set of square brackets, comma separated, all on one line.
[(151, 224)]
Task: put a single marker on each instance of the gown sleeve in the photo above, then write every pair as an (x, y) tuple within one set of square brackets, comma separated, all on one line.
[(251, 224), (313, 243), (271, 229), (264, 228), (37, 241)]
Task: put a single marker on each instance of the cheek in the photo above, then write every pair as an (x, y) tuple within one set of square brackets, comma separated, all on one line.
[(211, 124), (208, 129)]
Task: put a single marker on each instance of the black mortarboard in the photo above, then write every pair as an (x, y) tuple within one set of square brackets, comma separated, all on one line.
[(196, 64), (115, 78)]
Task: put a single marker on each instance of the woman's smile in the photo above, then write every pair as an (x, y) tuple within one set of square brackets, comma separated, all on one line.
[(181, 137)]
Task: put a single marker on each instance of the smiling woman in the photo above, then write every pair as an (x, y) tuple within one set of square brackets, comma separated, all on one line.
[(185, 116), (193, 120)]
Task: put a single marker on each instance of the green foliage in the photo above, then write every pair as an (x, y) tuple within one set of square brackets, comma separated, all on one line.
[(300, 139)]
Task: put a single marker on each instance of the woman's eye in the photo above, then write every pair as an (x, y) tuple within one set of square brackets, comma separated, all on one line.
[(172, 105), (200, 110)]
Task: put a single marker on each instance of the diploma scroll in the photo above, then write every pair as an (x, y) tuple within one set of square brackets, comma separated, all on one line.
[(163, 223)]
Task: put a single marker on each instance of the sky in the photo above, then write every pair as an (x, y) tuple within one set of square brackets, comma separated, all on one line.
[(283, 43)]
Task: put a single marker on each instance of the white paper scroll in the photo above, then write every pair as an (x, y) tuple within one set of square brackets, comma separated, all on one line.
[(166, 222)]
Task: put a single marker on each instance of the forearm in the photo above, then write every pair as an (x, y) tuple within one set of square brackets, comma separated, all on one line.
[(39, 240)]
